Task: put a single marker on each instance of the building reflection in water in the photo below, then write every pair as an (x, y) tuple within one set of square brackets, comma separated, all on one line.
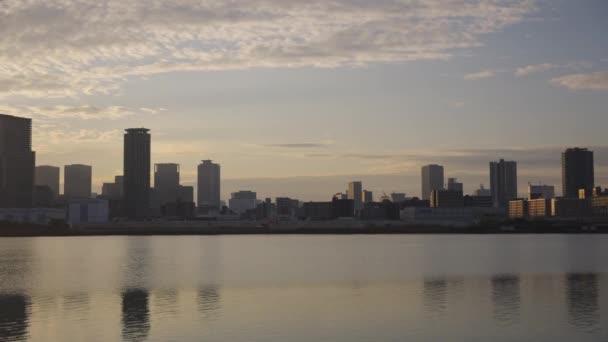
[(582, 296), (506, 298), (14, 317), (209, 302), (435, 294), (135, 315)]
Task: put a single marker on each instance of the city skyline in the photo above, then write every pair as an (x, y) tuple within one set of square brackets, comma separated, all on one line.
[(482, 81)]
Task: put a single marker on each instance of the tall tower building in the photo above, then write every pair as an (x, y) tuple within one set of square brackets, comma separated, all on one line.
[(432, 179), (137, 165), (77, 181), (48, 176), (166, 183), (503, 182), (577, 171), (209, 185), (17, 162), (355, 193)]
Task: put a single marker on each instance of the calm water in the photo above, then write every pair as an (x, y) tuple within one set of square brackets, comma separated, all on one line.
[(305, 288)]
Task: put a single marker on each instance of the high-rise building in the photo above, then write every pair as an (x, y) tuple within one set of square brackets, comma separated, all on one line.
[(166, 183), (186, 194), (540, 191), (209, 185), (368, 196), (355, 193), (17, 162), (577, 171), (137, 143), (77, 179), (454, 185), (503, 182), (432, 179), (48, 176)]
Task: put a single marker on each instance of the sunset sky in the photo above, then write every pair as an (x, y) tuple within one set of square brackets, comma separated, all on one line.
[(297, 97)]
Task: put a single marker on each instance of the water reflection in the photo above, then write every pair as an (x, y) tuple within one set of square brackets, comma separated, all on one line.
[(582, 292), (435, 294), (506, 298), (135, 315), (209, 301), (13, 317)]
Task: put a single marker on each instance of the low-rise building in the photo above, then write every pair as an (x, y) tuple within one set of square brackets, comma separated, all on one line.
[(518, 209), (318, 211), (449, 216), (87, 211), (539, 208), (446, 199), (31, 215), (570, 208)]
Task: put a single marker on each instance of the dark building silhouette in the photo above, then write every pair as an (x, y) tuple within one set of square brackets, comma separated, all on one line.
[(166, 183), (77, 180), (13, 317), (577, 171), (432, 179), (447, 199), (137, 143), (135, 315), (582, 296), (17, 162), (342, 207), (48, 176), (43, 196), (506, 298), (209, 178), (503, 182)]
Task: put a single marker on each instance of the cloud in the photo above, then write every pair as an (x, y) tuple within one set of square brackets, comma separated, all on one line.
[(480, 75), (85, 112), (66, 48), (594, 81), (298, 145), (531, 69)]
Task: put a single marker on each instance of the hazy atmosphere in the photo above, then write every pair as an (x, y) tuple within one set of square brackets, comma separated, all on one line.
[(321, 92)]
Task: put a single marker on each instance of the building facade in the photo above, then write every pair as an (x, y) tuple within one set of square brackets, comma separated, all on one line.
[(432, 179), (355, 193), (137, 144), (48, 176), (166, 183), (503, 182), (209, 178), (577, 171), (541, 191), (17, 162), (77, 180)]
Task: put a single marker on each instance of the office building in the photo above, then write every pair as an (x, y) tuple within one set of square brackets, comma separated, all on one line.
[(454, 185), (540, 191), (571, 208), (137, 165), (287, 208), (577, 171), (482, 191), (432, 179), (166, 183), (398, 197), (503, 182), (478, 201), (186, 194), (17, 162), (209, 185), (355, 193), (317, 211), (77, 179), (48, 176), (242, 201), (368, 196), (113, 191), (446, 199), (518, 209)]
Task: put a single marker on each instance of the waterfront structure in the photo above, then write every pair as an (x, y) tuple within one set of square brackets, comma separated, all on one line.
[(355, 193), (446, 198), (318, 211), (367, 196), (287, 208), (242, 201), (209, 179), (137, 144), (453, 217), (17, 162), (166, 183), (46, 175), (518, 209), (540, 191), (570, 208), (454, 185), (83, 211), (77, 180), (432, 179), (577, 171), (503, 182)]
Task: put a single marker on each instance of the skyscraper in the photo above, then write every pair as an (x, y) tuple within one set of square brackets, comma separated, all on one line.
[(355, 193), (454, 185), (432, 179), (209, 185), (48, 176), (17, 162), (503, 182), (137, 143), (77, 181), (166, 183), (577, 171)]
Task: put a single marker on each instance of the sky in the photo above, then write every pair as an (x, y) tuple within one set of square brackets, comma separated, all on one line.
[(297, 98)]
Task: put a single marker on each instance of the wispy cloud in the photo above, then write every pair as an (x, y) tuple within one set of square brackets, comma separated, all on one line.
[(298, 145), (85, 112), (480, 75), (66, 48), (594, 81), (531, 69)]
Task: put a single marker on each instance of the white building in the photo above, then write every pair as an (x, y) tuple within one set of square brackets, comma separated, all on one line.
[(85, 211), (242, 201)]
